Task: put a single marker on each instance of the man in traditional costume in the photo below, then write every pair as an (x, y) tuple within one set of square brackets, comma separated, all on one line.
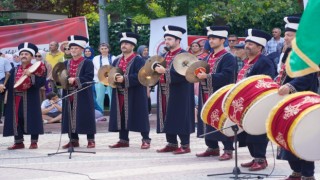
[(302, 169), (78, 108), (256, 64), (175, 113), (23, 112), (223, 69), (129, 109)]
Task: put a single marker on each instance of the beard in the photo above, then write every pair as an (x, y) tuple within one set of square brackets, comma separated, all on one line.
[(126, 50), (168, 47)]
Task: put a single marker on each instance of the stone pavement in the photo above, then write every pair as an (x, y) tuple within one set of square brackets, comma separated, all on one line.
[(126, 163)]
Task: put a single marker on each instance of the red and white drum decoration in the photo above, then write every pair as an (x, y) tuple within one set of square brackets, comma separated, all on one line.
[(293, 124), (23, 84), (249, 102), (213, 115), (38, 68)]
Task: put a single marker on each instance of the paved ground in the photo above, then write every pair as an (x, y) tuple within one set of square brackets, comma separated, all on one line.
[(127, 163)]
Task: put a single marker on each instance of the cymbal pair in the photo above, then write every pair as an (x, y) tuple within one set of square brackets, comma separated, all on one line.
[(147, 76), (107, 75), (185, 64), (189, 66)]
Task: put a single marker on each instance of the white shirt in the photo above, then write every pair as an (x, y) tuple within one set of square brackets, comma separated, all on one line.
[(5, 66), (96, 65)]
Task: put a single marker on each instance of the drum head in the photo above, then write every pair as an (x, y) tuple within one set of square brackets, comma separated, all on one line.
[(34, 66), (304, 135), (254, 121), (229, 132)]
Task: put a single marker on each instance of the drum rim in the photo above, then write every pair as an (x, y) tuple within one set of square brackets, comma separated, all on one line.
[(218, 93), (295, 124), (36, 64), (17, 85), (275, 109), (224, 122)]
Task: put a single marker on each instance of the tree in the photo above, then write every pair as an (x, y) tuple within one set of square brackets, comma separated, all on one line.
[(6, 5), (5, 19), (72, 8), (240, 15)]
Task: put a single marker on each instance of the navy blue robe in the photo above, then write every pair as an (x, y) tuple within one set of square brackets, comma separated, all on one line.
[(82, 115), (135, 100), (30, 102), (224, 73), (179, 118), (263, 66), (304, 83)]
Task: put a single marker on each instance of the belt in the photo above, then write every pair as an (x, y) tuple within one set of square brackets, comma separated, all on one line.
[(72, 89), (204, 87), (163, 88), (120, 90), (18, 93)]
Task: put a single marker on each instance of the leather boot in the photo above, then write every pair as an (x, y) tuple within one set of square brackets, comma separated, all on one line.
[(209, 152), (16, 146)]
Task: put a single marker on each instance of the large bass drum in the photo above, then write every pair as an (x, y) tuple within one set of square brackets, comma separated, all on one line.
[(212, 114), (293, 124), (249, 102)]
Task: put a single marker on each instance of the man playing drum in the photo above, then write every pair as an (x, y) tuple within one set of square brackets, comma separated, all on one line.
[(175, 114), (23, 113), (223, 69), (256, 64), (301, 169)]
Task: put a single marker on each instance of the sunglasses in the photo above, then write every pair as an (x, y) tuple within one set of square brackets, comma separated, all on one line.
[(232, 40), (66, 49), (38, 56)]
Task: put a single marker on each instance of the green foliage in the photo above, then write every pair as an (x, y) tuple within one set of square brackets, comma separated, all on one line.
[(5, 18), (114, 30), (240, 15), (6, 5)]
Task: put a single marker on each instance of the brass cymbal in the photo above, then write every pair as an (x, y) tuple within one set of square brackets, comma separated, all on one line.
[(103, 74), (152, 61), (182, 61), (63, 79), (57, 69), (194, 69), (148, 79), (112, 75)]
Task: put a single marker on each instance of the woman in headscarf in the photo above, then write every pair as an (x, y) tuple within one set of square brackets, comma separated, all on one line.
[(89, 53), (143, 51), (40, 56)]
